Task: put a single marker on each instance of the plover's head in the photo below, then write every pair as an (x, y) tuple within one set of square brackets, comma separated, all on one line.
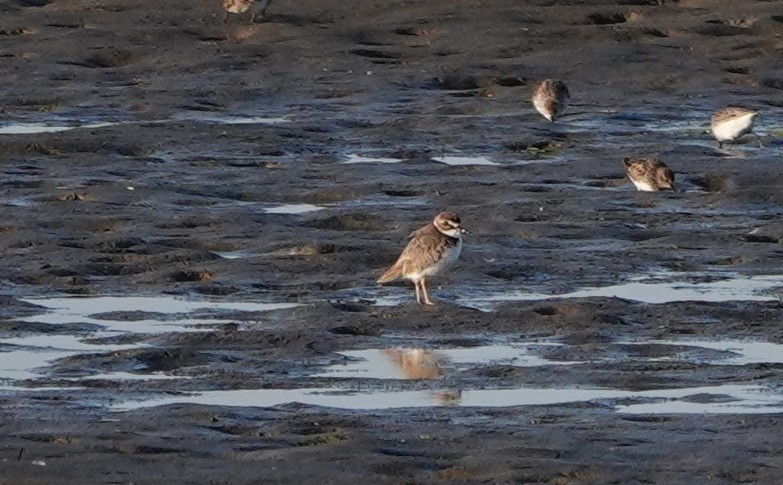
[(449, 224)]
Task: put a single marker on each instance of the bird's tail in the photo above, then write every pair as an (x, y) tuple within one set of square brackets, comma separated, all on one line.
[(391, 274)]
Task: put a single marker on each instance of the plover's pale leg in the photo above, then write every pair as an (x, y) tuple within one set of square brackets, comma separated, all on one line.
[(758, 140), (418, 292), (427, 300)]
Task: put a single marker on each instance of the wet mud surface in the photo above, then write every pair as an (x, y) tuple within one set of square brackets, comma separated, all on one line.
[(194, 215)]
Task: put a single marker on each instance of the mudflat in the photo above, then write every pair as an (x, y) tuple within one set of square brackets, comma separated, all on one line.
[(193, 214)]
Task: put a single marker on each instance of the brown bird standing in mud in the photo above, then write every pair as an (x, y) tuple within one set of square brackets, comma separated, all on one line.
[(649, 174), (728, 124), (430, 250), (550, 98), (242, 6)]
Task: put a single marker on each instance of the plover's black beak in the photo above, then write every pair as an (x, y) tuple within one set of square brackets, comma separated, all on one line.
[(462, 230)]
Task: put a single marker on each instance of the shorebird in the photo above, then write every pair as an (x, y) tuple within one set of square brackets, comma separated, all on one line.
[(242, 6), (728, 124), (649, 174), (550, 98), (430, 250)]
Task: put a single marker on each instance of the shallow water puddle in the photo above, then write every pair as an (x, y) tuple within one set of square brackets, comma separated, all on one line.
[(138, 314), (354, 158), (229, 119), (66, 343), (644, 289), (422, 364), (461, 161), (26, 357), (738, 352), (628, 123), (20, 364), (736, 399), (752, 288), (127, 376), (33, 128), (293, 209), (430, 364), (17, 202), (234, 254), (21, 356)]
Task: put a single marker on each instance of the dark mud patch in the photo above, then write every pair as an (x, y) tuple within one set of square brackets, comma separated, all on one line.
[(403, 192), (349, 222), (312, 250), (34, 3), (720, 29), (608, 18), (458, 81), (109, 59)]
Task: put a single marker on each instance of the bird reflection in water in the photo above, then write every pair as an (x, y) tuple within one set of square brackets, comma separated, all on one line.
[(417, 364)]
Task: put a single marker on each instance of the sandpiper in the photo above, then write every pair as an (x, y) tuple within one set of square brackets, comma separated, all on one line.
[(649, 174), (550, 98), (430, 249), (728, 124), (242, 6)]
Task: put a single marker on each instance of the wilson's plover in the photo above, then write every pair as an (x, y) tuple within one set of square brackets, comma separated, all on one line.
[(429, 251)]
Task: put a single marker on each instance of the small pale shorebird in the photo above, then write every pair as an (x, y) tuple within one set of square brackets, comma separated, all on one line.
[(242, 6), (649, 174), (430, 250), (728, 124), (550, 98)]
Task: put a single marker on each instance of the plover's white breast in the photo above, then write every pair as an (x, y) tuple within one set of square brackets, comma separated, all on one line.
[(539, 102), (733, 129), (450, 256), (643, 186)]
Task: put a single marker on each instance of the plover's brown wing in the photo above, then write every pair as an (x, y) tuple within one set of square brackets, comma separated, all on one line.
[(424, 249), (729, 113), (635, 169), (405, 262), (540, 89), (561, 91), (664, 176)]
